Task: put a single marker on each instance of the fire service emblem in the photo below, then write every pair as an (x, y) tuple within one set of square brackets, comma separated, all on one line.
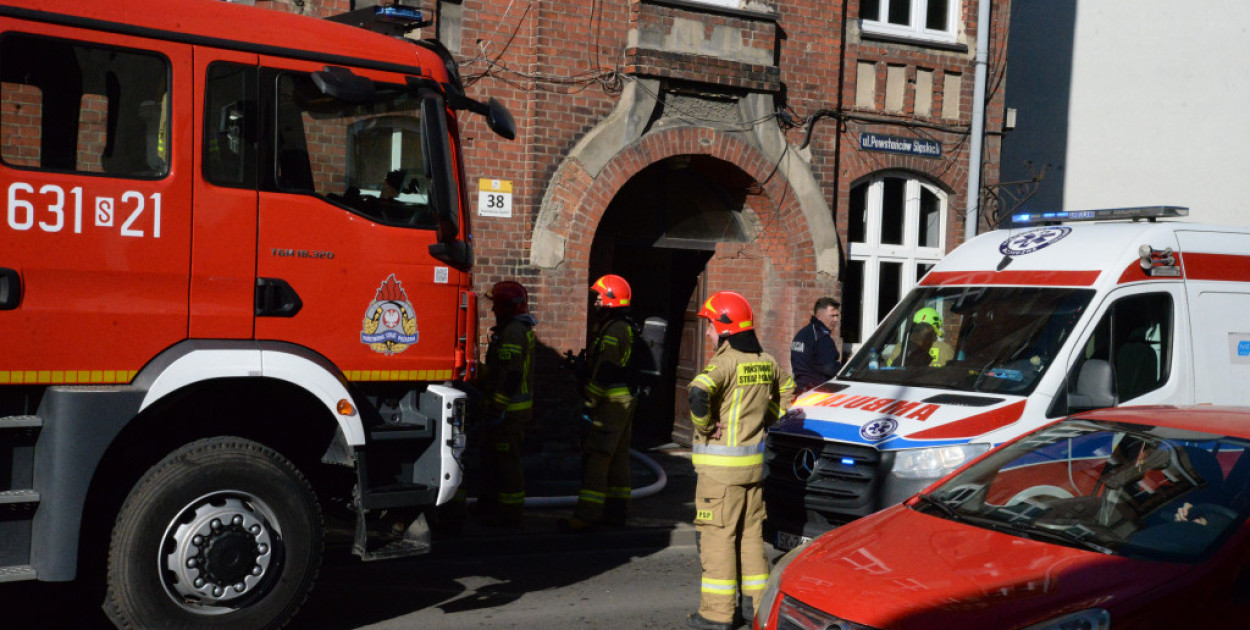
[(390, 324)]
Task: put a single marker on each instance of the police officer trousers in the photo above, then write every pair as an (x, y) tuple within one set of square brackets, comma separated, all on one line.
[(604, 496), (729, 520)]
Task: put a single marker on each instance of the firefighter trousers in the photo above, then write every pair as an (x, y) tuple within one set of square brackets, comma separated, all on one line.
[(729, 521), (604, 496), (502, 494)]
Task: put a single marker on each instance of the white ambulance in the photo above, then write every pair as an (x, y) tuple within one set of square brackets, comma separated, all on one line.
[(1061, 312)]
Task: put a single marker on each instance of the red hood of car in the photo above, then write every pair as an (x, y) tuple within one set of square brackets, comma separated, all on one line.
[(900, 569)]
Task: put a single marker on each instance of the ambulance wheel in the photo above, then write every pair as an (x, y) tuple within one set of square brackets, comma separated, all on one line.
[(224, 532)]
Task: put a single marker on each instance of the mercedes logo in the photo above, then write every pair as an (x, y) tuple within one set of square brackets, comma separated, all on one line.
[(804, 464)]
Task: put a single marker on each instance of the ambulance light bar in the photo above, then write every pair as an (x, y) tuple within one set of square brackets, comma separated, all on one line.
[(1148, 213)]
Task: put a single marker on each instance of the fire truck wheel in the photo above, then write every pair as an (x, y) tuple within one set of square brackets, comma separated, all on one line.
[(224, 532)]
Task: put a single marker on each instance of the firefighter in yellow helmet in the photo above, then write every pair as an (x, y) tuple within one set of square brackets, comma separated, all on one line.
[(507, 385), (609, 402), (739, 394)]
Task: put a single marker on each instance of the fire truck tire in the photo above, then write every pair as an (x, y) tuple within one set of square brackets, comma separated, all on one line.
[(223, 532)]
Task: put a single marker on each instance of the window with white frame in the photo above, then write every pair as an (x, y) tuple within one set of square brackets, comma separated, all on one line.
[(927, 20), (895, 234)]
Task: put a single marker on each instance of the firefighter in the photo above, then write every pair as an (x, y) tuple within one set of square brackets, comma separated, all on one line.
[(739, 394), (507, 385), (608, 403)]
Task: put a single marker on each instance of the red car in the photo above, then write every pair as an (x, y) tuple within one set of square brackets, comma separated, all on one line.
[(1119, 518)]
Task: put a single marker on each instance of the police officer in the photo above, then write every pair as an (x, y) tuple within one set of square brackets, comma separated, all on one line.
[(507, 385), (608, 402), (740, 393), (814, 355)]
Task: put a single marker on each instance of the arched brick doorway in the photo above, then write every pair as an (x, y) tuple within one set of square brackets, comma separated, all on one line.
[(633, 217)]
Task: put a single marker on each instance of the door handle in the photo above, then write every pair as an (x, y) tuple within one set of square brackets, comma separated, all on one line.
[(276, 298), (10, 289)]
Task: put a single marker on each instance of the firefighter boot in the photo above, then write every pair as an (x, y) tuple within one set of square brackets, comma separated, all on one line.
[(574, 525), (699, 622)]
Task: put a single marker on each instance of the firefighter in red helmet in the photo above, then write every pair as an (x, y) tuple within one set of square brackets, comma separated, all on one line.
[(507, 385), (608, 402), (739, 394)]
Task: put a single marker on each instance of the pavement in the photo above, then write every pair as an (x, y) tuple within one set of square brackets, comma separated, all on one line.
[(661, 519)]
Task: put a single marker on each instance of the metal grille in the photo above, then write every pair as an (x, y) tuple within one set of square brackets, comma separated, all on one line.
[(837, 480)]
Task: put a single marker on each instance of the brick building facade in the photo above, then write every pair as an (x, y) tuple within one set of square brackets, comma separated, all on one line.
[(782, 150)]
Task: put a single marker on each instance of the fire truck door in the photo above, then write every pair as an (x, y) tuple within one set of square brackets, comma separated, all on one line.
[(223, 264), (344, 265), (96, 169)]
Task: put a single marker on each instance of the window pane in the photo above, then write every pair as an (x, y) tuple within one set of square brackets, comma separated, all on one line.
[(857, 215), (892, 211), (73, 107), (900, 12), (367, 157), (1142, 337), (889, 288), (852, 301), (930, 220), (935, 16), (230, 125), (870, 10), (921, 270)]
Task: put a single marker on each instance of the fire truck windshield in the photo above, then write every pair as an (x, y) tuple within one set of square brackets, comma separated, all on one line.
[(982, 339), (371, 158)]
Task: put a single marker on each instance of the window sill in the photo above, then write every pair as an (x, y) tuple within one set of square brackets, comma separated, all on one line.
[(911, 40), (707, 7)]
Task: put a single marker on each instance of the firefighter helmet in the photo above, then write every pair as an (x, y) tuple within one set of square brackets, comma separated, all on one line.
[(613, 289), (508, 298), (929, 315), (729, 313)]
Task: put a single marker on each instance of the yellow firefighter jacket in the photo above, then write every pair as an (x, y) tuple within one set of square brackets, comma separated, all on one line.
[(507, 378), (746, 393)]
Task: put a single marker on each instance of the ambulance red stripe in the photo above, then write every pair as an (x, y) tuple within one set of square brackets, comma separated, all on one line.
[(1052, 278)]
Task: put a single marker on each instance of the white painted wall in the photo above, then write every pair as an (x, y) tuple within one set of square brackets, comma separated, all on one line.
[(1155, 93)]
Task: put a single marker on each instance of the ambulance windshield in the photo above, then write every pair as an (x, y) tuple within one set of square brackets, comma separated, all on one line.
[(975, 339)]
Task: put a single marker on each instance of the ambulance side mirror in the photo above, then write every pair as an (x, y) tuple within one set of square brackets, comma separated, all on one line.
[(1094, 387)]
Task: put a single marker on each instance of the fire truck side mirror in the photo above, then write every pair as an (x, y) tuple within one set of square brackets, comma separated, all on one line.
[(500, 120)]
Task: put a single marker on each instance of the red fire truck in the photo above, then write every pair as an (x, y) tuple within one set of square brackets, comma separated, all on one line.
[(235, 296)]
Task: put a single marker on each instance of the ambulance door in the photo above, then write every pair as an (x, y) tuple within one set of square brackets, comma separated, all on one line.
[(346, 225), (223, 262), (1140, 333), (96, 169), (1217, 281)]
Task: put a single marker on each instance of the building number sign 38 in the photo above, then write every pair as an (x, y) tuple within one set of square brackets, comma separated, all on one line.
[(53, 209)]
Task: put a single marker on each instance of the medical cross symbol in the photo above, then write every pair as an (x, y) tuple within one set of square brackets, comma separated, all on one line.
[(1033, 240)]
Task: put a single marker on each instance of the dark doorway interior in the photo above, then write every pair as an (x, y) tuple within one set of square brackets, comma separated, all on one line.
[(659, 233)]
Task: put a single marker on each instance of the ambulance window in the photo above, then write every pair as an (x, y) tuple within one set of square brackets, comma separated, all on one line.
[(230, 119), (72, 106), (1135, 337)]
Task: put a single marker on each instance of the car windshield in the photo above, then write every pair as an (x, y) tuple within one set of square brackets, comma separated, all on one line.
[(1132, 490), (974, 339)]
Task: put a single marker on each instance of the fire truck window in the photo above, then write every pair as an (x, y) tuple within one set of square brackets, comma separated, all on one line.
[(368, 158), (70, 106), (230, 121)]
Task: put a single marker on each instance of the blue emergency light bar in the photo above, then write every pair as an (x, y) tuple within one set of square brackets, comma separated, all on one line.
[(1148, 213), (397, 13)]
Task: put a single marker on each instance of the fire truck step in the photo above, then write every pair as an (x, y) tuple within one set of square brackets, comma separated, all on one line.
[(17, 573), (17, 497), (20, 422)]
